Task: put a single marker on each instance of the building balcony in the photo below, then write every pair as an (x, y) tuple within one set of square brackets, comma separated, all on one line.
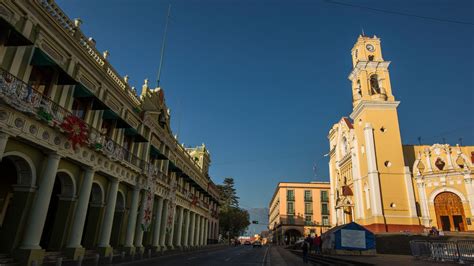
[(308, 199), (325, 212), (26, 99), (325, 199), (290, 198)]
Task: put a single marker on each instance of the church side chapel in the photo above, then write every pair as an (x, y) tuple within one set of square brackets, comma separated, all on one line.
[(382, 184)]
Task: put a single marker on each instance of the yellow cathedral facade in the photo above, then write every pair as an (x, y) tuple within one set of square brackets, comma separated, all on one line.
[(382, 184)]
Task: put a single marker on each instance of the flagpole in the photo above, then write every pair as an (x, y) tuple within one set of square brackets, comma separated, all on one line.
[(163, 44)]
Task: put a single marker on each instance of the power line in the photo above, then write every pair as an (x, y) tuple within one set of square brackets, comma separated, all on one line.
[(399, 13)]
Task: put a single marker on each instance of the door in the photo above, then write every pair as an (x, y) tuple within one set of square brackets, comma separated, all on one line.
[(458, 223), (449, 212), (445, 223)]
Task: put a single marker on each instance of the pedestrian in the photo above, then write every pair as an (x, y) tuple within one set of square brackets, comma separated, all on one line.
[(309, 239), (316, 240), (305, 248), (320, 244)]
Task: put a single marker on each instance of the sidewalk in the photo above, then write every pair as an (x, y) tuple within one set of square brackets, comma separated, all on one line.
[(279, 256), (388, 259)]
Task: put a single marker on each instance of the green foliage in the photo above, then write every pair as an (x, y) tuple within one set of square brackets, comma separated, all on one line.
[(44, 115), (228, 194), (233, 220)]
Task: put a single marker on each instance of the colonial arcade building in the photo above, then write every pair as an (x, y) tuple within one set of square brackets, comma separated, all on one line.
[(86, 164), (380, 183)]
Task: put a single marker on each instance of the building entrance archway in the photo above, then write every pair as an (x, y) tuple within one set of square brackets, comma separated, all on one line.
[(449, 212), (61, 203), (93, 217), (16, 194), (291, 236)]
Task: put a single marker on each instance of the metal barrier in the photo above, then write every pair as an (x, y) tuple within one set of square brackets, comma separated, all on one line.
[(420, 249), (444, 251), (466, 250), (458, 251)]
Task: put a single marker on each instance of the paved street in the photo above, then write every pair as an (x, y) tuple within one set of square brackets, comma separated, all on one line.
[(241, 255)]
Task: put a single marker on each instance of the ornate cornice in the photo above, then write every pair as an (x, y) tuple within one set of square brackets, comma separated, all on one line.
[(367, 65), (364, 104)]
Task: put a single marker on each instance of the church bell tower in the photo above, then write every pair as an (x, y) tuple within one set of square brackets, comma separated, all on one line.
[(389, 200)]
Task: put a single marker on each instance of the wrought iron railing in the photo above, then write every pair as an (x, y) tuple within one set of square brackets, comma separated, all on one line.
[(26, 99)]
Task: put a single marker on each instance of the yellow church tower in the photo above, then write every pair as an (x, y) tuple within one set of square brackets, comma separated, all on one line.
[(388, 200)]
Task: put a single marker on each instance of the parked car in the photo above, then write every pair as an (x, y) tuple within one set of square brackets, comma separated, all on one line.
[(247, 243), (257, 244), (298, 244)]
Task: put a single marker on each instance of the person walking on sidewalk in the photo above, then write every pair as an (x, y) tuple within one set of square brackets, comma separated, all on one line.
[(305, 248), (316, 241)]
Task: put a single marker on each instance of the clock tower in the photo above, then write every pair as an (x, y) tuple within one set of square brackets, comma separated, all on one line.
[(382, 167)]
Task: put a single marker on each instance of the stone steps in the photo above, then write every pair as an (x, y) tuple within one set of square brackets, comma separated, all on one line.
[(6, 260)]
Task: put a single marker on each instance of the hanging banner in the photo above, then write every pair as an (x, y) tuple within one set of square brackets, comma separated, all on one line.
[(171, 206), (147, 212)]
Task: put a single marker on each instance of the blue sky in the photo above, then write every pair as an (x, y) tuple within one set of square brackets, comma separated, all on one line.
[(262, 82)]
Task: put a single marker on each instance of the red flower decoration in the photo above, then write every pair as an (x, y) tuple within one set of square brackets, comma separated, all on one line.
[(76, 129), (147, 216)]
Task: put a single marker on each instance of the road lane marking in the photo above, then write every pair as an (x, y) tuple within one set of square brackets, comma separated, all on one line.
[(227, 259), (192, 258), (265, 257)]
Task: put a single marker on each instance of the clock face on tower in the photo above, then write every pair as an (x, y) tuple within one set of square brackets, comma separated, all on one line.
[(370, 47)]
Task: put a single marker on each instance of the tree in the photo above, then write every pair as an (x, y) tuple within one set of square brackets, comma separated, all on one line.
[(232, 220), (228, 194)]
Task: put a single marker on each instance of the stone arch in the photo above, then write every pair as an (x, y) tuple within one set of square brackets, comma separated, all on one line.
[(449, 209), (120, 203), (292, 235), (68, 183), (447, 189), (374, 84), (24, 166), (97, 194)]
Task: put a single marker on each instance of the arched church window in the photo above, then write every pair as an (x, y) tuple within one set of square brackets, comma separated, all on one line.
[(371, 58), (374, 84)]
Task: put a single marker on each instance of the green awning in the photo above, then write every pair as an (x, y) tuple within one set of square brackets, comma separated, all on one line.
[(137, 137), (12, 36), (111, 115), (156, 153), (81, 91), (41, 59)]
